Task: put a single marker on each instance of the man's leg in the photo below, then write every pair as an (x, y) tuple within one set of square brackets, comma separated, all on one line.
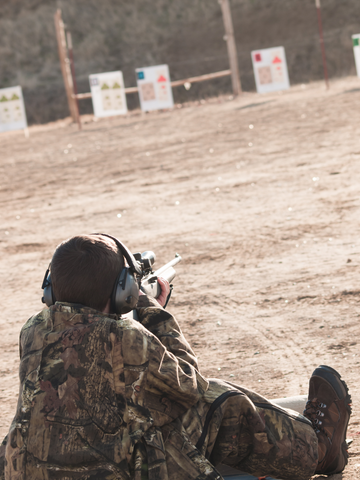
[(251, 434), (239, 428)]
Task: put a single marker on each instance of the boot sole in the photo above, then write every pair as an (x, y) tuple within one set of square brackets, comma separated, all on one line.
[(342, 391)]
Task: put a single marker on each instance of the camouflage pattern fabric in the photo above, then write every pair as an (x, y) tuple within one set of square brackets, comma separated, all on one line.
[(251, 434), (104, 397)]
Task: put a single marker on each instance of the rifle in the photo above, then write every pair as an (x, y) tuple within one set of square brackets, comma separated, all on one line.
[(149, 283)]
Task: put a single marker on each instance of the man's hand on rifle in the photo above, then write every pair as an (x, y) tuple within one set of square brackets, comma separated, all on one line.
[(165, 290)]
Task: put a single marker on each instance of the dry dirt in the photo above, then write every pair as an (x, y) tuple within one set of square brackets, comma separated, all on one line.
[(260, 196)]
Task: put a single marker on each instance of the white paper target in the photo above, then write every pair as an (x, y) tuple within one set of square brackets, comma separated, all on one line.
[(12, 109), (108, 94), (270, 69), (154, 84), (356, 45)]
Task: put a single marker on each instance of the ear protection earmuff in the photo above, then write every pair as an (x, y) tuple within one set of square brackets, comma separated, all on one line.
[(125, 294), (48, 296)]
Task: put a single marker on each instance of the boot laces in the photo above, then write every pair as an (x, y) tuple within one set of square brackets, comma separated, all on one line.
[(313, 413)]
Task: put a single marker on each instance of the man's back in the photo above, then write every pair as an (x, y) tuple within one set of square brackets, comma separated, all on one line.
[(87, 393), (70, 407)]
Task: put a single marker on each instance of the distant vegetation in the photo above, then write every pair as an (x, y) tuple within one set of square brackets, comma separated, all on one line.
[(187, 34)]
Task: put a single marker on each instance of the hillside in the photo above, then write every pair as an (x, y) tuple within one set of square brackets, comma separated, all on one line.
[(188, 35)]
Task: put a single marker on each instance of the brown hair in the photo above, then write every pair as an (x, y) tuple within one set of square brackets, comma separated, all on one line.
[(84, 269)]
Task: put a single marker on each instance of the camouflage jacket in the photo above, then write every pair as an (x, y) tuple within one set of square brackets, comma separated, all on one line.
[(98, 393)]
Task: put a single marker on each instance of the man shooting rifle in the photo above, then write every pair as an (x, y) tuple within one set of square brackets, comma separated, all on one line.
[(104, 396)]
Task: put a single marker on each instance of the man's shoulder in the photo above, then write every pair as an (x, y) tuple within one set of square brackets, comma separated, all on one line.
[(35, 319), (65, 316)]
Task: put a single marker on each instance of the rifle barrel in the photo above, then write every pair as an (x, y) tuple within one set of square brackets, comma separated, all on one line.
[(172, 262)]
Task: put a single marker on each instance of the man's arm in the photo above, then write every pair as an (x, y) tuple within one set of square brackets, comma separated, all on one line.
[(165, 327)]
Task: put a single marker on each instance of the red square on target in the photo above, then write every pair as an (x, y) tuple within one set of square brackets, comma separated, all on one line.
[(257, 57)]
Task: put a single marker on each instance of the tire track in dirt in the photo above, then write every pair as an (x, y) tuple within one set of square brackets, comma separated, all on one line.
[(292, 361)]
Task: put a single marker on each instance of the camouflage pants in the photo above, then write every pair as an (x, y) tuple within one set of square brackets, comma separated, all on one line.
[(249, 433), (233, 426)]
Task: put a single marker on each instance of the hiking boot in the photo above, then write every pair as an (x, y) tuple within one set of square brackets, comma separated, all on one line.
[(328, 408)]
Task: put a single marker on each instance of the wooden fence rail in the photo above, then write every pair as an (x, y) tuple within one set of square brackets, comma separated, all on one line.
[(176, 83)]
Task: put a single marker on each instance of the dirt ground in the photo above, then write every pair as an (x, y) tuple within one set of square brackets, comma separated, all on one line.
[(259, 195)]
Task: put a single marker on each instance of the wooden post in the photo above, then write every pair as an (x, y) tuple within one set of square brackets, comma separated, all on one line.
[(72, 65), (318, 9), (65, 64), (231, 46)]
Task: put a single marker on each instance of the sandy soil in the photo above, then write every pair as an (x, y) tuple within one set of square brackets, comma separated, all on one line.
[(260, 196)]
